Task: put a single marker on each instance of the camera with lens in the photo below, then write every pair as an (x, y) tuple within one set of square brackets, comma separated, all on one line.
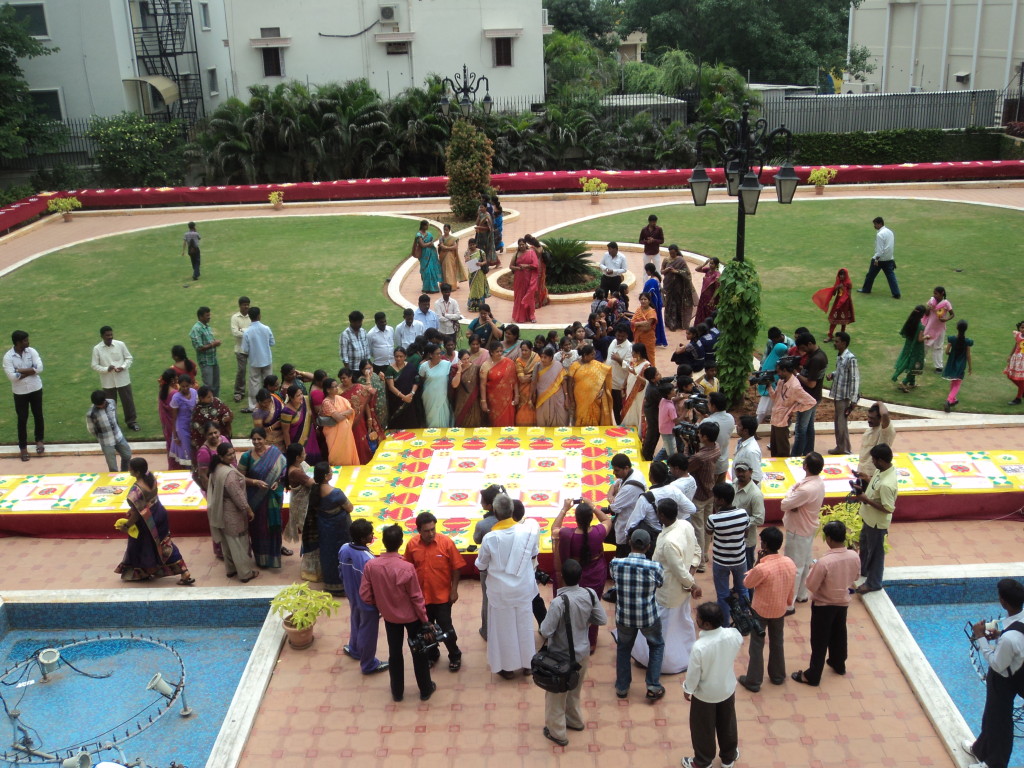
[(685, 433), (743, 619), (857, 486), (542, 578), (698, 403), (762, 378), (430, 636)]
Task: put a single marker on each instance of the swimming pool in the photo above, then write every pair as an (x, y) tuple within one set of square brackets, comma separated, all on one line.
[(922, 615), (99, 692)]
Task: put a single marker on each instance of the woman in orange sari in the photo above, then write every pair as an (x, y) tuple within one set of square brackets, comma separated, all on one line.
[(590, 390), (549, 384), (526, 364), (341, 446), (644, 324), (542, 270), (524, 285), (499, 388), (636, 384), (467, 413), (364, 424)]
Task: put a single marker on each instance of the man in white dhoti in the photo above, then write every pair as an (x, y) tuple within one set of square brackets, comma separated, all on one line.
[(679, 554), (506, 555)]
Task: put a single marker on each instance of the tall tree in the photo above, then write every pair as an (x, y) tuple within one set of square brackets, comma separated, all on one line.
[(591, 18), (21, 128)]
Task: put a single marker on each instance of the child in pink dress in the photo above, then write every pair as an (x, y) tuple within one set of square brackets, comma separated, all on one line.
[(938, 312), (1015, 363)]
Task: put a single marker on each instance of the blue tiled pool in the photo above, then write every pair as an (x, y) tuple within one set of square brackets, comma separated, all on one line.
[(935, 611), (100, 697)]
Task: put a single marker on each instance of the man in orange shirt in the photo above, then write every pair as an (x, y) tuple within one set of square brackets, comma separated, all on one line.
[(437, 562), (772, 581)]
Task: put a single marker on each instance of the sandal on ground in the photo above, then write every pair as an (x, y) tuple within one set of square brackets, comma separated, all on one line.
[(286, 552), (505, 674), (454, 665), (653, 694), (550, 737), (255, 575), (799, 677), (232, 574), (25, 456), (185, 582), (40, 449)]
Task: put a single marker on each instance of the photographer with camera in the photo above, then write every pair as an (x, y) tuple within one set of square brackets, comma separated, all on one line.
[(877, 497), (437, 561), (645, 515), (788, 399), (718, 405), (390, 583), (1004, 652), (829, 583), (810, 376), (771, 579), (801, 508)]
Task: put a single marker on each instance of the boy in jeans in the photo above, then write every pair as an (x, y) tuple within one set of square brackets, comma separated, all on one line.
[(101, 421), (728, 528)]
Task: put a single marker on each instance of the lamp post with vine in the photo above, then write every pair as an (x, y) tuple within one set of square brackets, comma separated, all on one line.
[(464, 87), (743, 150)]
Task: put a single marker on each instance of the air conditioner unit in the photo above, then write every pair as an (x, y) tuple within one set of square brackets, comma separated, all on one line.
[(543, 17), (869, 87), (389, 14)]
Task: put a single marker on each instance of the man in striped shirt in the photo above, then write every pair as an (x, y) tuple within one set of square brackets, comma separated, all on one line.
[(728, 529)]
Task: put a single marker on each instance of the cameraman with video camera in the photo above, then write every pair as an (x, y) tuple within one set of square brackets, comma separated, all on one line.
[(390, 583), (772, 580)]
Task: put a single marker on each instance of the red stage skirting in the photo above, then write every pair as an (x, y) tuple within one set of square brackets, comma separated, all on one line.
[(545, 181)]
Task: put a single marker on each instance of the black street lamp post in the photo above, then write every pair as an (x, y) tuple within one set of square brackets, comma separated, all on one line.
[(465, 87), (743, 152)]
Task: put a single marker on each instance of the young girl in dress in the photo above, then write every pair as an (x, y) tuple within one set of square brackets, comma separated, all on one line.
[(1015, 364), (938, 312), (958, 359)]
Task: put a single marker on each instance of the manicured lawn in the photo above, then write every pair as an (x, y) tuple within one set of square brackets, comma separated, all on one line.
[(971, 250), (305, 273)]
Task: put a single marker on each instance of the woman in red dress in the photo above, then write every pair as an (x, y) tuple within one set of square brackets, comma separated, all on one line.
[(841, 313), (542, 270), (524, 284), (499, 388), (708, 291)]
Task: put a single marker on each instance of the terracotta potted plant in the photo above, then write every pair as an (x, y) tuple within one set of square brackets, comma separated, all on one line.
[(821, 177), (63, 206), (299, 606), (276, 199), (595, 187)]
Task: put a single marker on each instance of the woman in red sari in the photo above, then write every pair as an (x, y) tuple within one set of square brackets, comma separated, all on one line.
[(841, 313), (708, 291), (364, 424), (524, 285), (499, 388), (542, 270)]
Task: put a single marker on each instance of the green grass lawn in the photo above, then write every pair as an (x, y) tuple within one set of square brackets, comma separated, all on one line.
[(973, 251), (305, 273)]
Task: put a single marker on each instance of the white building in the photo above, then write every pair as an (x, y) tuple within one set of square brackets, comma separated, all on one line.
[(940, 45), (185, 57)]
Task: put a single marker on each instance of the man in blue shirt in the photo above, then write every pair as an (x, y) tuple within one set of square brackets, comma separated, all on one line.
[(256, 343), (425, 314), (364, 619)]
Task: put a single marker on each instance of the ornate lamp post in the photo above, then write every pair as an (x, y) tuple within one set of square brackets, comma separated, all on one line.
[(743, 151), (465, 87)]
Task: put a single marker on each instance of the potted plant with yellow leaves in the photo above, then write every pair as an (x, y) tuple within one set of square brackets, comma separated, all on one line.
[(821, 177), (64, 206), (299, 606), (595, 186)]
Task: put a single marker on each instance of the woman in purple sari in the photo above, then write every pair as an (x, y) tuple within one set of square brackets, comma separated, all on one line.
[(264, 469), (297, 422), (583, 543), (168, 388), (183, 402)]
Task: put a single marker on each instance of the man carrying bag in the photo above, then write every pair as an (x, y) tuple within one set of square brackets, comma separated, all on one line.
[(567, 653)]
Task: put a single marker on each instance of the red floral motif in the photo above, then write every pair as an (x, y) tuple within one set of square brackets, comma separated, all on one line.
[(46, 491), (475, 444), (962, 468), (541, 443), (593, 450), (402, 436), (457, 496), (418, 453), (832, 471), (540, 497), (594, 479), (443, 444), (616, 432), (402, 498), (466, 464), (507, 443), (573, 442), (411, 481), (455, 525), (546, 463), (397, 513), (595, 464), (594, 495), (413, 467)]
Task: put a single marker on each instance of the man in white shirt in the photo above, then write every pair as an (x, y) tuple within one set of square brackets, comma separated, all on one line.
[(679, 468), (613, 267), (424, 313), (710, 687), (880, 430), (718, 404), (747, 448), (801, 508), (256, 344), (645, 509), (622, 496), (884, 259), (448, 313), (111, 360), (620, 353), (239, 322), (380, 343), (407, 331), (22, 366)]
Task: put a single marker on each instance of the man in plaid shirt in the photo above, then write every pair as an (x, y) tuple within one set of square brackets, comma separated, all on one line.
[(101, 421), (636, 611)]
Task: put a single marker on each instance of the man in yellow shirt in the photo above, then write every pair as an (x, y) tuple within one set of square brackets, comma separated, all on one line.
[(877, 503)]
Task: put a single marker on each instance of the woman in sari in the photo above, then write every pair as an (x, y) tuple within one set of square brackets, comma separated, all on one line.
[(229, 513), (526, 366), (380, 388), (653, 289), (168, 389), (209, 410), (542, 270), (206, 450), (645, 324), (292, 375), (841, 313), (297, 422), (299, 483), (510, 341), (364, 425), (485, 235), (341, 446), (453, 271), (633, 400), (678, 290), (402, 382), (267, 416), (424, 251), (263, 467), (150, 552), (316, 400), (467, 413), (583, 543), (333, 518), (549, 384), (183, 402), (499, 388), (708, 290), (434, 383), (476, 266), (911, 357), (524, 284), (498, 215), (181, 364), (590, 390)]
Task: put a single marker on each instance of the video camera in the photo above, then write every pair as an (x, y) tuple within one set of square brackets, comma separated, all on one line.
[(743, 619), (857, 486), (762, 378), (698, 403), (686, 436), (543, 578), (423, 642)]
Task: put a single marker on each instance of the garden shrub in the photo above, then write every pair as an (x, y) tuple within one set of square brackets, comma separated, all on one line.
[(894, 147), (568, 261), (739, 319), (468, 166)]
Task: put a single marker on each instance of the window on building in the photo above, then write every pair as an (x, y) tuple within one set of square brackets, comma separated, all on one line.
[(270, 31), (204, 15), (36, 17), (273, 62), (503, 51), (397, 49), (47, 104), (211, 81)]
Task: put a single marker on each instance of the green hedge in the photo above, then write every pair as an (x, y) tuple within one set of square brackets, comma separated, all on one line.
[(903, 146)]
